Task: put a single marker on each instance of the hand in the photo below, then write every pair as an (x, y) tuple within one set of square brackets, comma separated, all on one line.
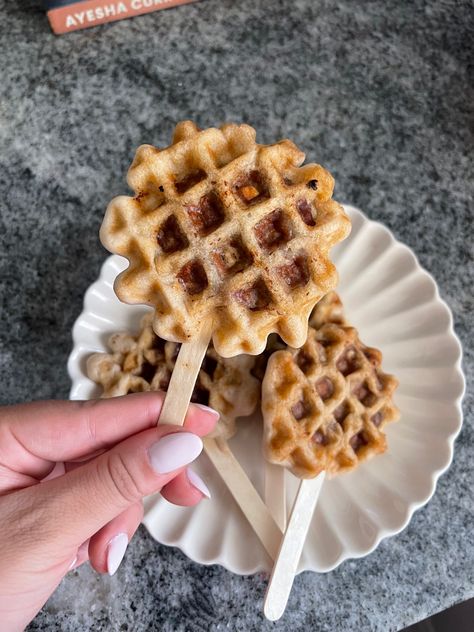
[(72, 477)]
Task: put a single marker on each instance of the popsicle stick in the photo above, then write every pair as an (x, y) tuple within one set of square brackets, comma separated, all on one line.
[(245, 494), (184, 376), (275, 493), (286, 563), (175, 406)]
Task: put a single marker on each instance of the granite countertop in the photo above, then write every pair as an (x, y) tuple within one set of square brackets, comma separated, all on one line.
[(382, 94)]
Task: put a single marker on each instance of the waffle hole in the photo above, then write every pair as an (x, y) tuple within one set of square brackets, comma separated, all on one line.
[(358, 441), (348, 362), (170, 237), (190, 180), (306, 212), (326, 342), (325, 388), (319, 438), (193, 277), (304, 361), (341, 412), (251, 188), (207, 215), (234, 257), (365, 395), (295, 273), (377, 418), (273, 230), (301, 409), (256, 297)]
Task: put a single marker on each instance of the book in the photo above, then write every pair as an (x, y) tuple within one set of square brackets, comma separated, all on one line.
[(66, 16)]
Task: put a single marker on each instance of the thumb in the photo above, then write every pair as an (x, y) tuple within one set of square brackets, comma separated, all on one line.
[(77, 504)]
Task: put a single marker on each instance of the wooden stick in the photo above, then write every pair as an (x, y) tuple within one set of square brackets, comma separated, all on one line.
[(275, 493), (175, 406), (245, 494), (183, 378), (286, 563)]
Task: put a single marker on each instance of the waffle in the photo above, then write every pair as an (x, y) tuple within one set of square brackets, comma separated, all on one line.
[(328, 310), (325, 405), (226, 229), (145, 362)]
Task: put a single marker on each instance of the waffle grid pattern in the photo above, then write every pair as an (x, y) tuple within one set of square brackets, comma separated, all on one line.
[(225, 228), (325, 405)]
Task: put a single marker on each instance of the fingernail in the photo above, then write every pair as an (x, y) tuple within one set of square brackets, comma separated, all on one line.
[(71, 565), (115, 552), (174, 451), (197, 482), (208, 409)]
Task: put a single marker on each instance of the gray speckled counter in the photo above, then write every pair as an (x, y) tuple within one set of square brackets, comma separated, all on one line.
[(379, 92)]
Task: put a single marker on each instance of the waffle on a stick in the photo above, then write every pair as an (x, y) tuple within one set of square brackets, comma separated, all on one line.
[(144, 362), (223, 228), (326, 404)]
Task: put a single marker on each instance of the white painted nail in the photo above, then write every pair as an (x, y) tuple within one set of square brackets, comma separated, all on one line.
[(209, 410), (197, 482), (71, 565), (174, 451), (115, 552)]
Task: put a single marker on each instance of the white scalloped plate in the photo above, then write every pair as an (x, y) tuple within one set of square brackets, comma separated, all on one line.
[(396, 307)]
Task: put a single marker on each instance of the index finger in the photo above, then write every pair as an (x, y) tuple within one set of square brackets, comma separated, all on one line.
[(65, 430)]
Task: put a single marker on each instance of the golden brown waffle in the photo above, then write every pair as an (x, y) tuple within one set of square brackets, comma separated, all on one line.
[(224, 228), (325, 405), (328, 310), (145, 362)]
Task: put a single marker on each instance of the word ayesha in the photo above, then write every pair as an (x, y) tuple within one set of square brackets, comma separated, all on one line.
[(109, 10)]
